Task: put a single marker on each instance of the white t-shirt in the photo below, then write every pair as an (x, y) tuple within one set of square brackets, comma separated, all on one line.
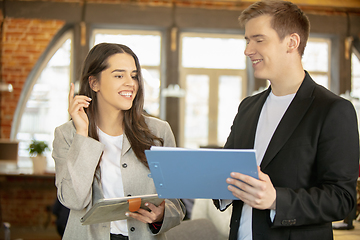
[(111, 180)]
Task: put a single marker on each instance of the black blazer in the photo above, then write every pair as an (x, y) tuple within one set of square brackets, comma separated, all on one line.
[(312, 160)]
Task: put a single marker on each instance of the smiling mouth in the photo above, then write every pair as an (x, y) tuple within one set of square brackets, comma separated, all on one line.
[(254, 62), (126, 94)]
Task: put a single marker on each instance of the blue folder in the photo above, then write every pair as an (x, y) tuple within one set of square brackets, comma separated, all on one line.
[(185, 173)]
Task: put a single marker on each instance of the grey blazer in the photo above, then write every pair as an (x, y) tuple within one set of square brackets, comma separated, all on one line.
[(76, 159)]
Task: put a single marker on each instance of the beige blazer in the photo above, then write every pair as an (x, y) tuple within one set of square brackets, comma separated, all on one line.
[(76, 158)]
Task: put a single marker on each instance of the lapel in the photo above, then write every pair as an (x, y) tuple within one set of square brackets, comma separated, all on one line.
[(291, 119), (249, 128), (125, 146)]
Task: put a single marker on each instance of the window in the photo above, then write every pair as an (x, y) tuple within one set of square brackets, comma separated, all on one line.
[(47, 104), (355, 76), (147, 46), (213, 74), (355, 83), (316, 60)]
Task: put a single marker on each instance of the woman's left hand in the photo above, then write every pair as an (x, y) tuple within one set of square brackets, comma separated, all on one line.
[(156, 214)]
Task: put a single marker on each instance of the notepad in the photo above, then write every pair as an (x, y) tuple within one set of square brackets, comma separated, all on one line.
[(199, 173)]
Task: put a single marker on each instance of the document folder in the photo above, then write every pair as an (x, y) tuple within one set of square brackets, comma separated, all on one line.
[(185, 173)]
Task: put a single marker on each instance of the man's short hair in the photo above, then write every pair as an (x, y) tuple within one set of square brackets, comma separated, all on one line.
[(287, 18)]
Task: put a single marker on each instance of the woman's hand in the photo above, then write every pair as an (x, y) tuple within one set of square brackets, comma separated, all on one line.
[(156, 214), (77, 112)]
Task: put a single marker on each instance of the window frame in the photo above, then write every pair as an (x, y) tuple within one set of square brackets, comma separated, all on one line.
[(328, 73), (214, 74), (59, 39)]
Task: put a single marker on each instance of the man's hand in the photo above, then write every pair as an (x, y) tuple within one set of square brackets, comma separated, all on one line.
[(259, 194), (155, 215)]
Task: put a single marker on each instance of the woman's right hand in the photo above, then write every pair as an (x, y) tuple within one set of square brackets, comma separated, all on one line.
[(76, 110)]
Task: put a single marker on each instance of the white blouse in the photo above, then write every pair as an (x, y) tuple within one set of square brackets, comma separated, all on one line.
[(111, 179)]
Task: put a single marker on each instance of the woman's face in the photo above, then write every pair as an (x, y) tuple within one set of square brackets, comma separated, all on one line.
[(118, 84)]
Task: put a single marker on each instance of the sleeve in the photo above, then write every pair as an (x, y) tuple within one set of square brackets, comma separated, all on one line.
[(169, 139), (76, 158), (336, 165), (174, 208)]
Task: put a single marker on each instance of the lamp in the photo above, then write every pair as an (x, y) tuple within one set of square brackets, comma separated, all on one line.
[(6, 87), (173, 91)]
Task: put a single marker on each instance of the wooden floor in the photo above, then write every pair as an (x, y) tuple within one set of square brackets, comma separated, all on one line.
[(353, 234), (51, 234)]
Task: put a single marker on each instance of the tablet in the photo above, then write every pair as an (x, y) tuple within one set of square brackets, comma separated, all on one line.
[(113, 209)]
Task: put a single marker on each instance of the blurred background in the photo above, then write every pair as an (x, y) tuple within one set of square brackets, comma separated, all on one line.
[(192, 59)]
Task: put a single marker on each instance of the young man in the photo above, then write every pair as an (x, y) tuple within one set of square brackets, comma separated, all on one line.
[(306, 138)]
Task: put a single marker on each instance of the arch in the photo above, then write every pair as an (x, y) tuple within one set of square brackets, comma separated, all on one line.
[(51, 49)]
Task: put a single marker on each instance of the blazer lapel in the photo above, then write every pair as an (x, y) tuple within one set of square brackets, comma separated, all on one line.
[(290, 120), (125, 146), (249, 127)]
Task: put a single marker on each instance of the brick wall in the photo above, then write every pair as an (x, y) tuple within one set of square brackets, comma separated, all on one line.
[(25, 199), (23, 42)]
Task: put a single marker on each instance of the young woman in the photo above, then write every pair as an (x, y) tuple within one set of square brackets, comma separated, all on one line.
[(100, 152)]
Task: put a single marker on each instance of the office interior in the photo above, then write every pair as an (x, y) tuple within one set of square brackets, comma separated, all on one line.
[(195, 73)]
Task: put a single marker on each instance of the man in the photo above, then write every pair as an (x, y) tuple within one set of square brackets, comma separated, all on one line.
[(305, 137)]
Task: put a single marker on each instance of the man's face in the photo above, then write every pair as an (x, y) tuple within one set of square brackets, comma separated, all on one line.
[(264, 48)]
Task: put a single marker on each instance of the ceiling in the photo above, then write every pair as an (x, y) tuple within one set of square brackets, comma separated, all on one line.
[(327, 6)]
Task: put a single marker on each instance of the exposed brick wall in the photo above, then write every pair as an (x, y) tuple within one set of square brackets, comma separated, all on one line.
[(25, 198), (24, 40)]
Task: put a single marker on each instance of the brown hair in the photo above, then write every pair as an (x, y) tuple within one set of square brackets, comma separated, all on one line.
[(287, 18), (135, 127)]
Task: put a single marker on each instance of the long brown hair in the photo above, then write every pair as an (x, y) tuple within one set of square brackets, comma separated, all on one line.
[(135, 127)]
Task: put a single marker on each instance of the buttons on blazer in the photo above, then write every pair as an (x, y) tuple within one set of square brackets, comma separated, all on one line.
[(124, 165), (132, 229), (289, 222)]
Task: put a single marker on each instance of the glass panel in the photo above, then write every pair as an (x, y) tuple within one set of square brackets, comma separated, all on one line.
[(316, 56), (48, 103), (146, 47), (221, 53), (321, 79), (229, 99), (196, 111), (355, 76), (152, 91), (355, 84)]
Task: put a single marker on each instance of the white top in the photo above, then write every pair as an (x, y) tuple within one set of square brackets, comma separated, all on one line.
[(271, 114), (111, 180)]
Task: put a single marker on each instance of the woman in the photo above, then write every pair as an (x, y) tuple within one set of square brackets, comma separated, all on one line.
[(100, 152)]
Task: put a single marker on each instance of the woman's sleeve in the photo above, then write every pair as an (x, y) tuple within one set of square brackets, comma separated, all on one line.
[(76, 158)]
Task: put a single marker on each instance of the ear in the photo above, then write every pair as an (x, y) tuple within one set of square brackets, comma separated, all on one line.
[(293, 43), (94, 83)]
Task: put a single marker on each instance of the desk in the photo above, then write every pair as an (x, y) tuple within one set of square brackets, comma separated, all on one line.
[(26, 199), (23, 167)]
